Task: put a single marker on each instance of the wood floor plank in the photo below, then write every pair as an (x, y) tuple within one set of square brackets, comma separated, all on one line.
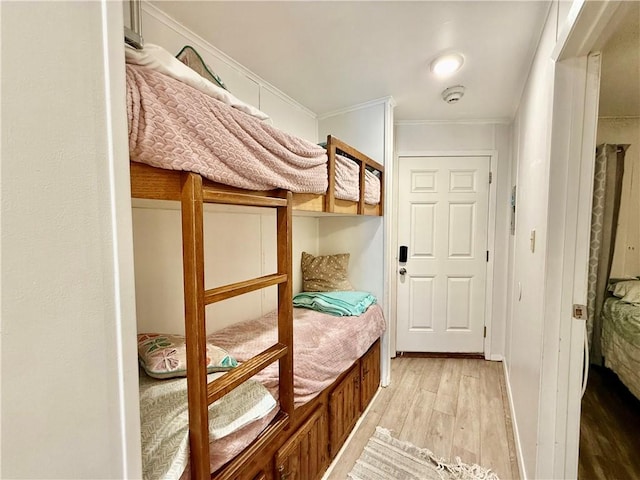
[(446, 398), (609, 429), (494, 446), (439, 433), (419, 414), (394, 418), (433, 373), (471, 367), (466, 433)]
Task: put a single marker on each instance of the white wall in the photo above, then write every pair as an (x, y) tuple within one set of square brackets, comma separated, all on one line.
[(626, 258), (240, 244), (361, 237), (285, 112), (525, 354), (361, 126), (445, 137), (69, 363)]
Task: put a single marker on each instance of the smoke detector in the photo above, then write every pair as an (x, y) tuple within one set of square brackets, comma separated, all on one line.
[(453, 94)]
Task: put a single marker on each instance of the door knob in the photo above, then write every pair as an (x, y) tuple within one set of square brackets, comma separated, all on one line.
[(402, 271)]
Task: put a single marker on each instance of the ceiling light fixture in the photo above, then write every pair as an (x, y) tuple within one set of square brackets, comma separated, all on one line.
[(446, 65)]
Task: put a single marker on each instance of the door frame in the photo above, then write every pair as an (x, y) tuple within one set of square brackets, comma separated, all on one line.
[(491, 234), (573, 139)]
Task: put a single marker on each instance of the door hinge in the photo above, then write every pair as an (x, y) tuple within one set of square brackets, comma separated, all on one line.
[(485, 332), (490, 177), (487, 255)]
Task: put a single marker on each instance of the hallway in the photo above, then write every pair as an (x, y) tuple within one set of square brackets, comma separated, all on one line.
[(454, 407)]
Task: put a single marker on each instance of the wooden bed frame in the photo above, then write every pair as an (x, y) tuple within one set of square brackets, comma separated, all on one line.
[(327, 203), (159, 184), (329, 417), (193, 192)]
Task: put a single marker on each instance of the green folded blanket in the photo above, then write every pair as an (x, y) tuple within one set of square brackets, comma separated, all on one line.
[(340, 304)]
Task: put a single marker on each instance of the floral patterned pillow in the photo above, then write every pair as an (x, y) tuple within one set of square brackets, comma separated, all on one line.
[(165, 356)]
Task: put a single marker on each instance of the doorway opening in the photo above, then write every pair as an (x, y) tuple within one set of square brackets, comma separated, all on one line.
[(610, 407)]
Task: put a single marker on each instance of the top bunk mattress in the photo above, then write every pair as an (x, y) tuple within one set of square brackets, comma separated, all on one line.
[(174, 126)]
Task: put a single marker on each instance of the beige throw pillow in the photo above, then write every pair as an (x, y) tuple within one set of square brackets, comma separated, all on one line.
[(327, 273)]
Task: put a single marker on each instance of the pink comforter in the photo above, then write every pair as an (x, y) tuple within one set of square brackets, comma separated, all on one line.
[(174, 126), (348, 182), (324, 346)]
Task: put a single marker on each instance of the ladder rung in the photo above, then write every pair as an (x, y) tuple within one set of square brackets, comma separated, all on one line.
[(214, 196), (233, 290), (243, 372)]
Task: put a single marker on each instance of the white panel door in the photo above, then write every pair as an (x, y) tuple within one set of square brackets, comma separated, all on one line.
[(442, 219)]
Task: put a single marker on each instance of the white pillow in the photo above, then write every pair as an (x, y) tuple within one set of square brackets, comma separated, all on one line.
[(157, 58), (628, 291)]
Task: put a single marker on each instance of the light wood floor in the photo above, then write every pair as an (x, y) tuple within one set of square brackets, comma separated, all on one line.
[(609, 429), (453, 407)]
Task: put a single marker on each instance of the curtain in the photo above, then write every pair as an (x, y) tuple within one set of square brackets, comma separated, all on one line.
[(607, 190)]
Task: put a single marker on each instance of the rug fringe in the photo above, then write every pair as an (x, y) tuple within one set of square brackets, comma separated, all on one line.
[(459, 469)]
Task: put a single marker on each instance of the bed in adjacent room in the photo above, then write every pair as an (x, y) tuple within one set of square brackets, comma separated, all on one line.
[(621, 333)]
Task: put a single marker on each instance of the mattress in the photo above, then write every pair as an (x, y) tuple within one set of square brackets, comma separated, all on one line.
[(177, 127), (324, 346), (164, 416), (621, 341)]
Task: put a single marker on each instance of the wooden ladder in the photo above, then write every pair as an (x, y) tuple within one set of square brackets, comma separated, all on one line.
[(201, 394)]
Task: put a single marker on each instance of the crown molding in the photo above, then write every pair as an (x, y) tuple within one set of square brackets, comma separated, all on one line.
[(360, 106)]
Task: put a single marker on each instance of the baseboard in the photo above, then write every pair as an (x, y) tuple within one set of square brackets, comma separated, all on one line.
[(514, 424), (346, 443), (495, 357), (477, 356)]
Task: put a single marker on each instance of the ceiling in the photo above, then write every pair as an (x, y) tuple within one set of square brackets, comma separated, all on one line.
[(620, 76), (332, 55)]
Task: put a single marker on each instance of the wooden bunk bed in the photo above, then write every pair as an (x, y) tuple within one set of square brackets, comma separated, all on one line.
[(298, 442)]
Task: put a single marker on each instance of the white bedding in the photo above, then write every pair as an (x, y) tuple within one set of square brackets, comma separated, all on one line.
[(158, 59), (165, 420)]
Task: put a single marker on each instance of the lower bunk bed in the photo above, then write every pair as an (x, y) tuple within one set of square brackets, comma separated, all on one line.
[(336, 373)]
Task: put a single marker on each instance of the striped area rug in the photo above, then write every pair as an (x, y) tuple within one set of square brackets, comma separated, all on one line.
[(387, 458)]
